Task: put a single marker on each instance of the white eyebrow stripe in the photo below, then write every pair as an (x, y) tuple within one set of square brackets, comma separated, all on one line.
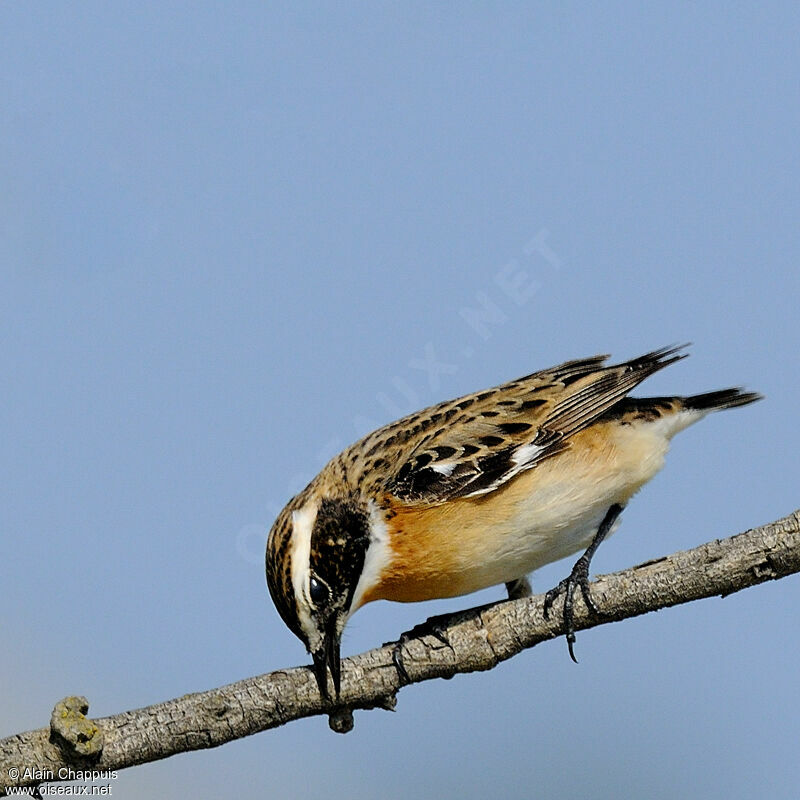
[(302, 525)]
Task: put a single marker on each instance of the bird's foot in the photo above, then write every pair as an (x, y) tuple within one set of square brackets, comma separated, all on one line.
[(433, 626), (578, 578)]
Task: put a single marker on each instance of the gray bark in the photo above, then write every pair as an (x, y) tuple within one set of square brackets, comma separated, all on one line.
[(477, 639)]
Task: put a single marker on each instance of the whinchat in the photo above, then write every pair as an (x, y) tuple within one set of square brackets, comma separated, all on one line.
[(474, 492)]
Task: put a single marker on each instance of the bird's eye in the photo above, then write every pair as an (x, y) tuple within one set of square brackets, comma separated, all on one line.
[(319, 591)]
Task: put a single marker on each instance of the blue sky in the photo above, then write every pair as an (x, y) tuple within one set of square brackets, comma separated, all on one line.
[(234, 237)]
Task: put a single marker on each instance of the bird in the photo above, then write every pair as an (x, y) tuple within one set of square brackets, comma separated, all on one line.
[(475, 492)]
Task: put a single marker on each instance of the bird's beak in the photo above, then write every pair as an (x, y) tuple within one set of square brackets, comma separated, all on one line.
[(327, 657)]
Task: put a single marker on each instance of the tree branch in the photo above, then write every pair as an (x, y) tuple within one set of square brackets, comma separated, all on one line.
[(477, 639)]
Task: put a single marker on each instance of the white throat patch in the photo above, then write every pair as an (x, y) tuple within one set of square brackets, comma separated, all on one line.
[(376, 558)]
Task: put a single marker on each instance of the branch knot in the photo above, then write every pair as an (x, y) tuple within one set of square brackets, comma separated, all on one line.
[(72, 731)]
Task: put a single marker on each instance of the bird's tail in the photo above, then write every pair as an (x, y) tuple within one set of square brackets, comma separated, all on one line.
[(723, 398)]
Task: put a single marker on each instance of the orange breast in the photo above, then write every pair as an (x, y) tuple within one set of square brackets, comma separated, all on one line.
[(429, 551), (539, 516)]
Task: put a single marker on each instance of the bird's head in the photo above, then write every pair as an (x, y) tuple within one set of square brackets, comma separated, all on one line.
[(315, 559)]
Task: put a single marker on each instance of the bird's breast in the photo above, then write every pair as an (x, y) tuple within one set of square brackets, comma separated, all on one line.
[(540, 516)]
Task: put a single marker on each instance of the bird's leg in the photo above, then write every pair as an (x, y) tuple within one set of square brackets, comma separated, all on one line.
[(518, 589), (579, 578)]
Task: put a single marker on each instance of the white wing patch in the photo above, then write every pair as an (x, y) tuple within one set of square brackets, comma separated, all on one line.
[(525, 454), (444, 469), (523, 458)]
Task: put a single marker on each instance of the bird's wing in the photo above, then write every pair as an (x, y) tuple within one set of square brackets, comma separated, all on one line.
[(471, 446)]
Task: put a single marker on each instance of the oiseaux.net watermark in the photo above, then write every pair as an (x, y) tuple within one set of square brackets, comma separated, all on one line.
[(76, 782)]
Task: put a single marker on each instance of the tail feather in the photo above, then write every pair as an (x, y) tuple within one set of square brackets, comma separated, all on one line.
[(723, 398)]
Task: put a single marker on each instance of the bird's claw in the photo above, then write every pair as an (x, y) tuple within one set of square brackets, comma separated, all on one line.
[(433, 626), (578, 578), (397, 660)]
